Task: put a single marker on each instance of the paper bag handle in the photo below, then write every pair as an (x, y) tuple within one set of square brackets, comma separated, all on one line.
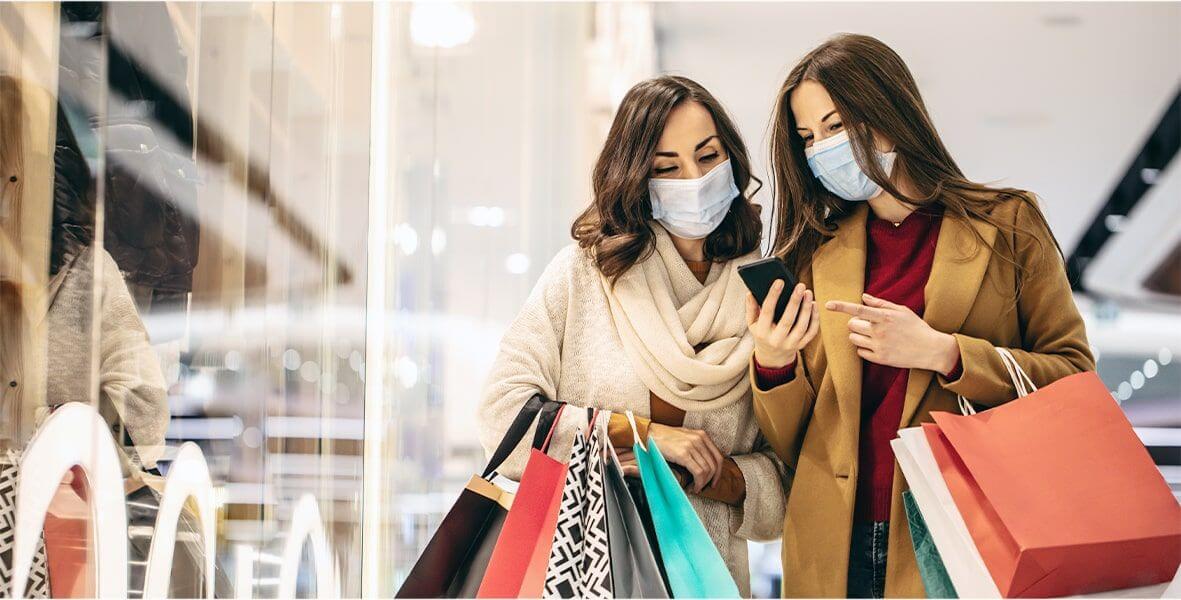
[(1021, 380), (631, 419)]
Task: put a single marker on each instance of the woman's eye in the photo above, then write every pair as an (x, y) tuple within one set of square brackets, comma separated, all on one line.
[(835, 127), (807, 140), (664, 170), (709, 158)]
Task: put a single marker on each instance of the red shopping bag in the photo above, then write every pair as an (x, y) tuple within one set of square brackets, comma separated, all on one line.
[(1059, 494), (517, 566), (69, 547)]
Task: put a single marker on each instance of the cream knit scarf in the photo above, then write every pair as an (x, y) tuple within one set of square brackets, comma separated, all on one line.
[(662, 312)]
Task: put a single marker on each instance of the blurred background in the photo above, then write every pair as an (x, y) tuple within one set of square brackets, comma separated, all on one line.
[(328, 213)]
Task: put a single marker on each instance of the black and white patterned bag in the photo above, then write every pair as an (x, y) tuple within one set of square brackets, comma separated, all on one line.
[(580, 558), (38, 586)]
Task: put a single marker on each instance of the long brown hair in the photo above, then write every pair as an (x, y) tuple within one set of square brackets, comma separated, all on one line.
[(872, 90), (616, 226)]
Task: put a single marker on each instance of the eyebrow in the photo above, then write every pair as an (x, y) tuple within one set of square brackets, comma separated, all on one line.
[(831, 113), (699, 146)]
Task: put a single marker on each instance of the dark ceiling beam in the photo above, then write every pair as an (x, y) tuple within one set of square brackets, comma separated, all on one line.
[(1155, 154)]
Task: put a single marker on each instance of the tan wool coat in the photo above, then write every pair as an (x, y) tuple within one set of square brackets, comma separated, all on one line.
[(813, 421)]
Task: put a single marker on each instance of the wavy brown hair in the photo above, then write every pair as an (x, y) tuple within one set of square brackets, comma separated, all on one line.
[(873, 91), (617, 227)]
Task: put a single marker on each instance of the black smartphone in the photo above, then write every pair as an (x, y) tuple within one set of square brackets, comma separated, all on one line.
[(761, 274)]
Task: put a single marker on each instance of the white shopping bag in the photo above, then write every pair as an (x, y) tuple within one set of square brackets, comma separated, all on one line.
[(965, 567)]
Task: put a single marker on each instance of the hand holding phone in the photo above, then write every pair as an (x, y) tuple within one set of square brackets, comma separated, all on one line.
[(760, 275), (781, 332)]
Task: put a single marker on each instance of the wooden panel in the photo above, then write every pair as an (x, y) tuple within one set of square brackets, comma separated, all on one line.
[(28, 118)]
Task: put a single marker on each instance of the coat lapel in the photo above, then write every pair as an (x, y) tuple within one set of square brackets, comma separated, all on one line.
[(956, 274), (838, 273)]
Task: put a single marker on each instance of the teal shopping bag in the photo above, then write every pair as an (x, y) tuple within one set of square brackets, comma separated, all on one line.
[(695, 568), (934, 575)]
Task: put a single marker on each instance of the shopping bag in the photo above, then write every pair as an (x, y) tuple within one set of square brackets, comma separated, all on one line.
[(1057, 491), (693, 564), (596, 558), (961, 560), (964, 565), (935, 580), (579, 561), (38, 581), (635, 566), (518, 563), (563, 569), (636, 489), (454, 561)]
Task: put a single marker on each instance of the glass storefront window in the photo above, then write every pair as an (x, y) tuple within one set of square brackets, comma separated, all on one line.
[(189, 210)]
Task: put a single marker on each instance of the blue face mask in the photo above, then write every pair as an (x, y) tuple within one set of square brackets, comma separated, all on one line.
[(832, 162), (693, 208)]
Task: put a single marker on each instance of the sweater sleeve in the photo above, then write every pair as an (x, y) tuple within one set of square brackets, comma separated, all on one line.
[(1054, 338), (768, 377), (131, 381), (731, 485), (759, 514), (619, 431), (528, 362)]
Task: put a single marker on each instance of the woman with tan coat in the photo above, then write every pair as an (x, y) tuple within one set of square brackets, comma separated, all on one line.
[(910, 274)]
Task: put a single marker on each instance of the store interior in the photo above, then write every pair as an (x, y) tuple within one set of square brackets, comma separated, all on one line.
[(327, 214)]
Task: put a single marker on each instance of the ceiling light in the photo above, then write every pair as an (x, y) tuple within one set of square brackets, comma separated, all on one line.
[(1150, 368), (441, 24), (517, 263), (1137, 380)]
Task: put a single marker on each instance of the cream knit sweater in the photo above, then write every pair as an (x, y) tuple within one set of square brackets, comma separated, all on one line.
[(564, 344)]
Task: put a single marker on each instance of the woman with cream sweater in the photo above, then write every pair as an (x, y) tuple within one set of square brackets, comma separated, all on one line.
[(646, 313)]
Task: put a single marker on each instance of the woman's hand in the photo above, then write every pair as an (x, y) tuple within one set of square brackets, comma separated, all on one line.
[(690, 448), (627, 460), (776, 344), (892, 335)]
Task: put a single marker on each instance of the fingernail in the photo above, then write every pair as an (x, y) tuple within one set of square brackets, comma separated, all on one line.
[(829, 305), (778, 284)]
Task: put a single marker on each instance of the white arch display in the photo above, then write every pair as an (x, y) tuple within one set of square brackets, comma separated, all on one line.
[(243, 572), (188, 475), (74, 435), (306, 525)]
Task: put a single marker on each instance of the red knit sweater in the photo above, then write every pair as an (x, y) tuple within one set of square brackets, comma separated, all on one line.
[(898, 263)]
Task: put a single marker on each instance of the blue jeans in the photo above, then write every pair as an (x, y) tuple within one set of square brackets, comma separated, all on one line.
[(867, 560)]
